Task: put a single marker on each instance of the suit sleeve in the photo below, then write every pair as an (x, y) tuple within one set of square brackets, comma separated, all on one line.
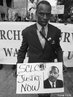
[(23, 49), (59, 51)]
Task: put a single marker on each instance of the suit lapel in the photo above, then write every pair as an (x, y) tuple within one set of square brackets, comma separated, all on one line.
[(48, 33), (37, 41)]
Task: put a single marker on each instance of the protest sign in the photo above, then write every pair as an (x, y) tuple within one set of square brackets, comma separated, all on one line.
[(31, 78), (58, 9)]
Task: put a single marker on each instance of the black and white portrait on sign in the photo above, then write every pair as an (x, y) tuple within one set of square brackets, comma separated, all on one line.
[(52, 81)]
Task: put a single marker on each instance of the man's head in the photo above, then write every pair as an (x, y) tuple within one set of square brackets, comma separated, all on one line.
[(53, 73), (43, 12)]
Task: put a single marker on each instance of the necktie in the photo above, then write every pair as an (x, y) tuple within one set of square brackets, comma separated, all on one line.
[(43, 31), (52, 84)]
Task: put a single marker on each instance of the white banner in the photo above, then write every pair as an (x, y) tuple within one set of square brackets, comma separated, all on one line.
[(38, 78), (52, 2), (10, 41)]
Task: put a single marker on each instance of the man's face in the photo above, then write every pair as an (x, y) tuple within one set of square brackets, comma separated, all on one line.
[(53, 74), (43, 14)]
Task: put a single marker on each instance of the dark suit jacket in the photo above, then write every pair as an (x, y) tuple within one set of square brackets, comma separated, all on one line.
[(59, 84), (36, 53)]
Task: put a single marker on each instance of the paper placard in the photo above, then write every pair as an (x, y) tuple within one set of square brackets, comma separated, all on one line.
[(33, 78)]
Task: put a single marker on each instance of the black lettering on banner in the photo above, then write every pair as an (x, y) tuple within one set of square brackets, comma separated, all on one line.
[(10, 52), (15, 52), (16, 34), (2, 34), (10, 35), (66, 37), (69, 55)]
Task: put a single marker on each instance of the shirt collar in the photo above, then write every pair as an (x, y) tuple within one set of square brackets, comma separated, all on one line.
[(39, 27)]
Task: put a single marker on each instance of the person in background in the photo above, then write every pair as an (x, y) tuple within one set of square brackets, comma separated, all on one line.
[(31, 10), (53, 18), (70, 19), (3, 17), (1, 66), (41, 40), (52, 81), (18, 18)]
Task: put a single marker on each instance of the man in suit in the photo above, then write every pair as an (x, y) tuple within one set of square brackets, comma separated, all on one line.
[(52, 81), (41, 40), (39, 48)]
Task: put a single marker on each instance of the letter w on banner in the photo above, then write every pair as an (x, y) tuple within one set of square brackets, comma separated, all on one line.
[(39, 78)]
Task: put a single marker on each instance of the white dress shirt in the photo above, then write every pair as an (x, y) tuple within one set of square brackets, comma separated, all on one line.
[(41, 39), (52, 84)]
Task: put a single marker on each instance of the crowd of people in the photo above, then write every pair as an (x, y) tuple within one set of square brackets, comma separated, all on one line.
[(66, 17)]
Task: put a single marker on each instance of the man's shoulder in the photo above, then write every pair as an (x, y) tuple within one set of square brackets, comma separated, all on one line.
[(29, 28), (60, 83), (54, 30), (58, 80), (51, 26), (46, 80)]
